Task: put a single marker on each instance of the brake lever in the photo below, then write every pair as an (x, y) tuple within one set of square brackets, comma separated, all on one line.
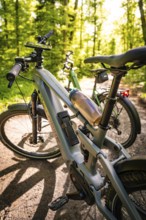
[(10, 84)]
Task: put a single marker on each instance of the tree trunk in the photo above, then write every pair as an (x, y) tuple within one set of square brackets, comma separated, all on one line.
[(73, 20), (17, 25), (143, 20), (65, 3), (5, 21), (94, 36), (81, 26)]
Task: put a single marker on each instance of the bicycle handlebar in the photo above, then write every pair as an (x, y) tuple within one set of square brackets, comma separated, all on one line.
[(21, 62), (13, 73), (68, 61), (69, 53), (46, 37)]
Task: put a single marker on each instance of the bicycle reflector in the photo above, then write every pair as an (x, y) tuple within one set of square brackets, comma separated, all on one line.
[(125, 93)]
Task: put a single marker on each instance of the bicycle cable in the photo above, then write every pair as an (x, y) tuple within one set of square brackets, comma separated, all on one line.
[(20, 91)]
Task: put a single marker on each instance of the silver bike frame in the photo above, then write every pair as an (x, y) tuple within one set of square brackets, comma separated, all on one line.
[(52, 94)]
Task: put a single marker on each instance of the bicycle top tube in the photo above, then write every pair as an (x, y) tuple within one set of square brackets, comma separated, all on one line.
[(136, 55)]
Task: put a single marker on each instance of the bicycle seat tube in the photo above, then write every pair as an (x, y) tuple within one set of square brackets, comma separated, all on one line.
[(111, 99)]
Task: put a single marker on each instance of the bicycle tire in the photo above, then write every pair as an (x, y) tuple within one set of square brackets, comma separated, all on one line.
[(16, 130), (135, 185), (125, 135)]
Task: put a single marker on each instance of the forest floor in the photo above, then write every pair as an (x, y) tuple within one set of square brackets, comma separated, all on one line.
[(28, 186)]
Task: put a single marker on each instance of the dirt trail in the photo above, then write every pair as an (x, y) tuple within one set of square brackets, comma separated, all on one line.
[(27, 186)]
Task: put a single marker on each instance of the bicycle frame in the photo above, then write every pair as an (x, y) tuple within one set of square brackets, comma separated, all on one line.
[(73, 78), (52, 94)]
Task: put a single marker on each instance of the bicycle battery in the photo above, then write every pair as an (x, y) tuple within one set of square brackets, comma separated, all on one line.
[(65, 122)]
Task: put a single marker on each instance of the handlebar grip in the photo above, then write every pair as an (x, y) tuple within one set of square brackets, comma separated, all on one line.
[(14, 72), (69, 53), (46, 36), (49, 34)]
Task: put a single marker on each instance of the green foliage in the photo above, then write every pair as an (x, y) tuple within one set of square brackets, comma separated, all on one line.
[(15, 94), (79, 26)]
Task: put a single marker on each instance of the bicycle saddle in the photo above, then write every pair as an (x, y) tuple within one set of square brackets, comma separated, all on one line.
[(136, 55)]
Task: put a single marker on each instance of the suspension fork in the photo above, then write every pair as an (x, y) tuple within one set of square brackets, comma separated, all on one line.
[(39, 118), (34, 116)]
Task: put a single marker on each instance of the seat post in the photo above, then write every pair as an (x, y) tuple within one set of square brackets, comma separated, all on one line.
[(111, 99)]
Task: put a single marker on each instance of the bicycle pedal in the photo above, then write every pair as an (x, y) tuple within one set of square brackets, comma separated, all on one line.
[(76, 196), (58, 203)]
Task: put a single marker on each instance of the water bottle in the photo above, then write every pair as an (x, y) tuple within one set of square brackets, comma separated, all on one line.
[(86, 106)]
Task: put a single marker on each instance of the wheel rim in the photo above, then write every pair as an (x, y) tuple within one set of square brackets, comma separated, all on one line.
[(17, 133), (139, 200), (120, 125)]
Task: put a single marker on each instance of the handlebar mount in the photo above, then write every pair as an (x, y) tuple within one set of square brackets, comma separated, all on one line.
[(41, 42), (38, 46)]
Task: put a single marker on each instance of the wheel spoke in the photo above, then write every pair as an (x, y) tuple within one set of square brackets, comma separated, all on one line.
[(16, 132)]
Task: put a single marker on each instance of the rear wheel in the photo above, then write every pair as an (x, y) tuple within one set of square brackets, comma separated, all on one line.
[(135, 185), (16, 134)]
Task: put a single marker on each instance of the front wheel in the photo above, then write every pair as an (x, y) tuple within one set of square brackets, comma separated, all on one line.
[(135, 185), (123, 122), (16, 134)]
